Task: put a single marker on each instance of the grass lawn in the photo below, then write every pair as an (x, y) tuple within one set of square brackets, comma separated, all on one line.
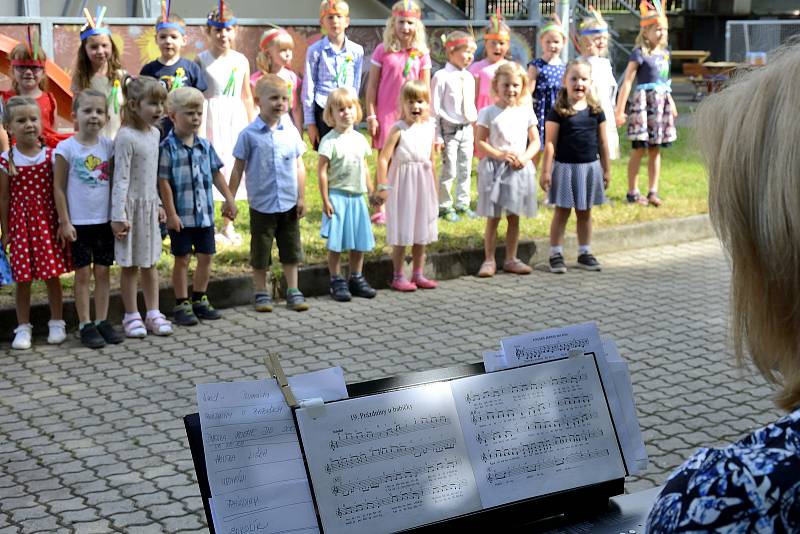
[(683, 187)]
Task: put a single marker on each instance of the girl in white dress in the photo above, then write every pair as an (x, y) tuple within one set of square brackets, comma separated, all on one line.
[(407, 184), (593, 42), (228, 97), (135, 206)]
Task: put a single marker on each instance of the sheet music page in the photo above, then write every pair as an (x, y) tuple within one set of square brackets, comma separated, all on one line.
[(537, 347), (388, 462), (537, 429), (255, 467)]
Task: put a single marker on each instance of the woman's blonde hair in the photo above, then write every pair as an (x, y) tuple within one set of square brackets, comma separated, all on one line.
[(562, 105), (14, 103), (82, 79), (646, 46), (513, 69), (390, 41), (754, 204), (412, 91), (273, 37), (343, 96), (21, 53), (135, 89)]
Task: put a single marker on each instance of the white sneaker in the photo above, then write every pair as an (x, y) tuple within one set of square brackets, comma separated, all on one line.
[(58, 331), (22, 337)]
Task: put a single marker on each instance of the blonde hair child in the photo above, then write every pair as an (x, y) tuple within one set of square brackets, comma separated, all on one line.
[(508, 139), (333, 61), (651, 112), (546, 73), (407, 184), (135, 206), (593, 42), (29, 221), (275, 54), (343, 179), (98, 66), (228, 97), (576, 169), (496, 42)]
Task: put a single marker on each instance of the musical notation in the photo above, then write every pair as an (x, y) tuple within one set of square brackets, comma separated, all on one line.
[(389, 453), (405, 496), (412, 474), (358, 437), (493, 476), (538, 386)]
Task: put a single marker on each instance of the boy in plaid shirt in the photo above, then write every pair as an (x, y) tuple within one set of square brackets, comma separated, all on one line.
[(187, 166)]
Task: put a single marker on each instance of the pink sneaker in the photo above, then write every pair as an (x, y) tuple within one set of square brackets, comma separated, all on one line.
[(423, 283), (378, 218), (402, 284)]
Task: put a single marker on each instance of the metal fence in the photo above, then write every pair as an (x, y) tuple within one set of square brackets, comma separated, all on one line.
[(519, 8), (743, 37)]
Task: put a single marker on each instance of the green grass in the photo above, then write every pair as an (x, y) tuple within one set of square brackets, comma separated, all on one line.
[(683, 187)]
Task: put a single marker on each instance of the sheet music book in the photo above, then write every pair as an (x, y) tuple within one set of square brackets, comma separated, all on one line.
[(407, 458)]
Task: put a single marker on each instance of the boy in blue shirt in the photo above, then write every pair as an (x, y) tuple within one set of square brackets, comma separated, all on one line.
[(170, 68), (187, 167), (332, 62), (270, 151)]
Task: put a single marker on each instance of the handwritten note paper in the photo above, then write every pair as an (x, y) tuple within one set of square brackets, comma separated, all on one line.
[(389, 462), (538, 429), (538, 347), (255, 468)]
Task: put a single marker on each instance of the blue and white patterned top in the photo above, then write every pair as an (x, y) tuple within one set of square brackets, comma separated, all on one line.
[(750, 486), (548, 83)]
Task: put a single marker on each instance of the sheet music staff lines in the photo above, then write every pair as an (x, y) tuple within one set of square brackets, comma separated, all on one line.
[(389, 453), (358, 437)]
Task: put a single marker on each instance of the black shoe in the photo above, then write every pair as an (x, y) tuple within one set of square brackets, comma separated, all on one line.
[(359, 287), (183, 314), (588, 262), (109, 333), (91, 338), (339, 290), (557, 264), (204, 310)]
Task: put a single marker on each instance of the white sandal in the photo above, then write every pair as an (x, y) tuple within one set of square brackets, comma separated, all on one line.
[(158, 325), (134, 327)]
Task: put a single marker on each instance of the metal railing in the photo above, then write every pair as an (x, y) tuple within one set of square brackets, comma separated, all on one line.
[(518, 9)]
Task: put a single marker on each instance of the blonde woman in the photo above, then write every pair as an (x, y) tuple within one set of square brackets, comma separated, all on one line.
[(754, 198)]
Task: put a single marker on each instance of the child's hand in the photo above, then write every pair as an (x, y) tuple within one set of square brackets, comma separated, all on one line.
[(301, 208), (510, 158), (120, 229), (620, 119), (372, 127), (66, 234), (174, 223), (382, 196), (327, 208), (544, 182), (230, 210), (438, 146), (606, 179), (313, 134), (374, 200), (674, 112), (162, 215)]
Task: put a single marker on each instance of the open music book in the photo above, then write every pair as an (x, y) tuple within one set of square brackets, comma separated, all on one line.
[(414, 456)]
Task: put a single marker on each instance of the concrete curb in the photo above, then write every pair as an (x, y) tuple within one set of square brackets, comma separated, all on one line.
[(236, 291)]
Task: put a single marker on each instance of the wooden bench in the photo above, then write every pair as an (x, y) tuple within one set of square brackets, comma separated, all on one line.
[(697, 56)]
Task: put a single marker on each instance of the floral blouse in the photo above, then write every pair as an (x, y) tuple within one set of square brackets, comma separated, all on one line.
[(750, 486)]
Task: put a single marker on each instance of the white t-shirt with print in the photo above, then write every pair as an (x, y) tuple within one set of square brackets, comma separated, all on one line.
[(89, 179)]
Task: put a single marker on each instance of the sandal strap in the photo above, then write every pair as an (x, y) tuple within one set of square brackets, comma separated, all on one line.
[(133, 322)]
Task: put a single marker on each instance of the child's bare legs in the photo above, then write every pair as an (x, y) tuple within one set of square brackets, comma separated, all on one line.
[(398, 258), (512, 236), (335, 263), (490, 238), (584, 227), (55, 297), (202, 273), (356, 261), (150, 288), (180, 278), (82, 279), (653, 174), (22, 298), (260, 280), (127, 286), (417, 258), (634, 163), (558, 226), (290, 272), (102, 289)]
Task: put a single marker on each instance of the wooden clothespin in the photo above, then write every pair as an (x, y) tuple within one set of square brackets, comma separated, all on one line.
[(274, 368)]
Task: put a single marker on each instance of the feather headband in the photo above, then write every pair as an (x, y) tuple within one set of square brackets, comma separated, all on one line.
[(220, 21), (164, 23), (94, 25), (652, 14), (497, 31)]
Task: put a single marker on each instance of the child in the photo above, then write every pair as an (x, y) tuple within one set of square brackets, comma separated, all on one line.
[(403, 55), (576, 136), (275, 190), (229, 99), (187, 166), (170, 68), (508, 138), (82, 194), (98, 67), (276, 50), (135, 206), (28, 79), (29, 220), (333, 61), (593, 32), (343, 179), (652, 112), (496, 41), (546, 74), (453, 106), (407, 185)]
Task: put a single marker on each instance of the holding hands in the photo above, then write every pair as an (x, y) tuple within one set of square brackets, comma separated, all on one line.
[(120, 228)]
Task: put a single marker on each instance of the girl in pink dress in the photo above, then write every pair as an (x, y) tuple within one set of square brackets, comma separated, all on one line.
[(407, 184), (276, 51), (403, 55), (496, 41)]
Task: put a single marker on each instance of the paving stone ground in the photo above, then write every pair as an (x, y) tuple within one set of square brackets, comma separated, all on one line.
[(93, 441)]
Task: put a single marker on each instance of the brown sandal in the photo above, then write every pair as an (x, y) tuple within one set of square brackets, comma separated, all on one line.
[(653, 200)]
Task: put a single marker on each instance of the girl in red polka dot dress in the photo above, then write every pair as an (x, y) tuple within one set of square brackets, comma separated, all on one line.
[(28, 218)]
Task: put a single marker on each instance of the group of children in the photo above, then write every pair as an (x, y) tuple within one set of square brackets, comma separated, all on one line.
[(87, 201)]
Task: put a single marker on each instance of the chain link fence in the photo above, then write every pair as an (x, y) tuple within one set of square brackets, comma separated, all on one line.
[(745, 39)]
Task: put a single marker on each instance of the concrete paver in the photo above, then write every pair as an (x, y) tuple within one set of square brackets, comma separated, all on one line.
[(93, 441)]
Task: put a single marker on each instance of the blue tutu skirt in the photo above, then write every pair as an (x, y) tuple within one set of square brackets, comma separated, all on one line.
[(5, 270), (350, 227)]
